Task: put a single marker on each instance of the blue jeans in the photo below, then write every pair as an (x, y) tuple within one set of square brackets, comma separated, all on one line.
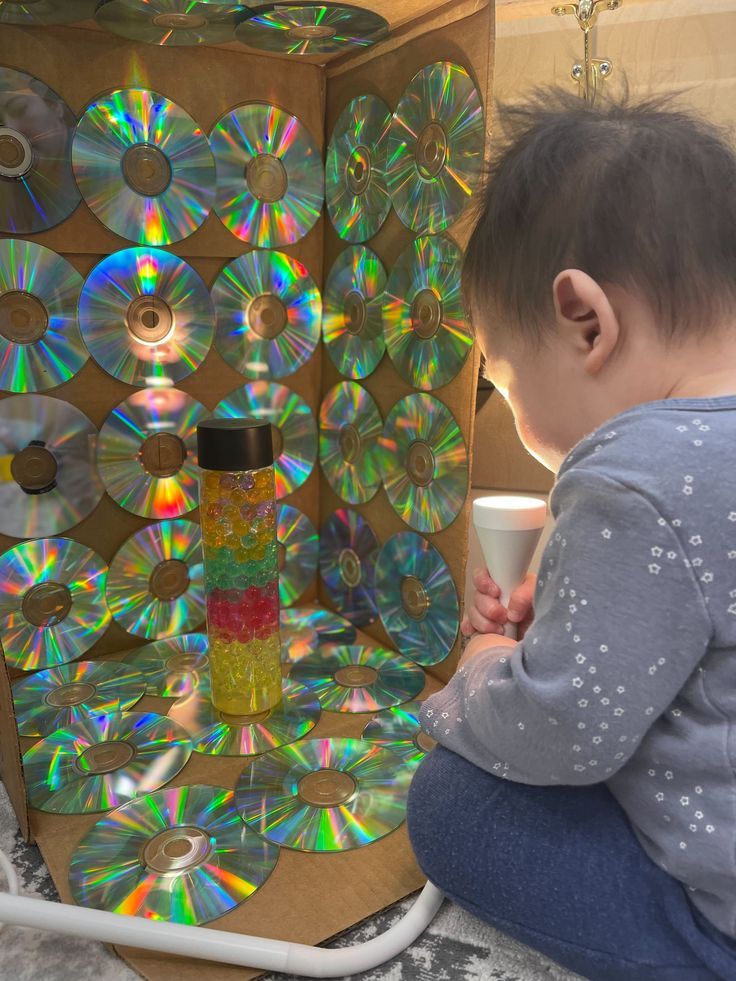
[(560, 869)]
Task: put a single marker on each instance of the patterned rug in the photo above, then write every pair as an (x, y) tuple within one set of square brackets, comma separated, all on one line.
[(456, 947)]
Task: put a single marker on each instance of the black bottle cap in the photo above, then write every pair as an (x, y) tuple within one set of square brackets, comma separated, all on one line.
[(234, 444)]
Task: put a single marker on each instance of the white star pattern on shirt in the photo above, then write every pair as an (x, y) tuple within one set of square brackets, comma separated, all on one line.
[(606, 533), (618, 711), (580, 658), (684, 801), (695, 540), (655, 569), (732, 609), (659, 797), (732, 516)]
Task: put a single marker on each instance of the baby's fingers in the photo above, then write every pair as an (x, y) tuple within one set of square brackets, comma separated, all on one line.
[(490, 608), (521, 600), (481, 624), (484, 584)]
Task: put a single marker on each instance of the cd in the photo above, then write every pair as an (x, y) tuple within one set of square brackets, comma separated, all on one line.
[(144, 166), (348, 549), (435, 147), (324, 795), (45, 11), (398, 730), (349, 427), (146, 317), (270, 178), (427, 334), (424, 462), (268, 312), (37, 188), (309, 29), (147, 453), (293, 427), (48, 476), (217, 733), (103, 762), (359, 679), (331, 628), (357, 195), (352, 328), (170, 23), (52, 602), (174, 666), (155, 587), (40, 343), (297, 642), (59, 697), (417, 599), (181, 855), (298, 552)]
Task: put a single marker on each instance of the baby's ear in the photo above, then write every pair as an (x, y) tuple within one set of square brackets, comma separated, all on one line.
[(585, 318)]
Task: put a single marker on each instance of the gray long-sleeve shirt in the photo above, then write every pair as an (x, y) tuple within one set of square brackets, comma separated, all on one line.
[(628, 673)]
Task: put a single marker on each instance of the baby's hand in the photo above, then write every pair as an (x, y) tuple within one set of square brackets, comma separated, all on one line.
[(488, 616)]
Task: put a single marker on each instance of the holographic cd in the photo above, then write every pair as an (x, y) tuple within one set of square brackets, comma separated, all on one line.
[(298, 552), (147, 453), (349, 427), (324, 795), (181, 855), (144, 166), (33, 12), (155, 587), (59, 697), (356, 191), (40, 343), (295, 439), (170, 23), (424, 462), (306, 29), (359, 679), (435, 147), (297, 642), (331, 627), (398, 730), (270, 178), (348, 549), (37, 188), (146, 317), (417, 599), (103, 762), (352, 328), (216, 733), (48, 476), (427, 334), (268, 312), (52, 602), (174, 666)]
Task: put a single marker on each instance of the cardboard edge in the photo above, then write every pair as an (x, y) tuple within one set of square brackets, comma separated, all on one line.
[(11, 761)]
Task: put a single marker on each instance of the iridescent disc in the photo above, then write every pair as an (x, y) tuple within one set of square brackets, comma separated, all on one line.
[(348, 549), (147, 453), (146, 317), (37, 188), (417, 598), (103, 762), (156, 583), (307, 29), (427, 334), (144, 166), (268, 314), (424, 462), (352, 328), (398, 730), (40, 343), (359, 679), (435, 147), (295, 439), (174, 666), (45, 11), (170, 23), (52, 602), (181, 855), (357, 195), (219, 734), (331, 627), (324, 795), (297, 642), (48, 476), (270, 177), (298, 553), (349, 427), (59, 697)]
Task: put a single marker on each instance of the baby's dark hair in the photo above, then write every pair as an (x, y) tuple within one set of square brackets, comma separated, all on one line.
[(638, 195)]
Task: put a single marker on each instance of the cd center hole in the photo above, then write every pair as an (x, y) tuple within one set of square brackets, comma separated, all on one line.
[(105, 757), (267, 316), (326, 788), (351, 571), (266, 178), (414, 597), (163, 454), (169, 580), (420, 463), (150, 319), (349, 442), (34, 468), (23, 317), (356, 676), (46, 604), (73, 694), (178, 848)]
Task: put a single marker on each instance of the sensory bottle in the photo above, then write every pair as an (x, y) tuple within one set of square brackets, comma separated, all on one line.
[(238, 516)]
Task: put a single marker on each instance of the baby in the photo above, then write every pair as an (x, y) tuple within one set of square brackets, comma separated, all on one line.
[(583, 795)]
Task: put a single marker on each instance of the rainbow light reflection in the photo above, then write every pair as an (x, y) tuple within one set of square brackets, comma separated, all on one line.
[(356, 270), (349, 409), (297, 534)]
